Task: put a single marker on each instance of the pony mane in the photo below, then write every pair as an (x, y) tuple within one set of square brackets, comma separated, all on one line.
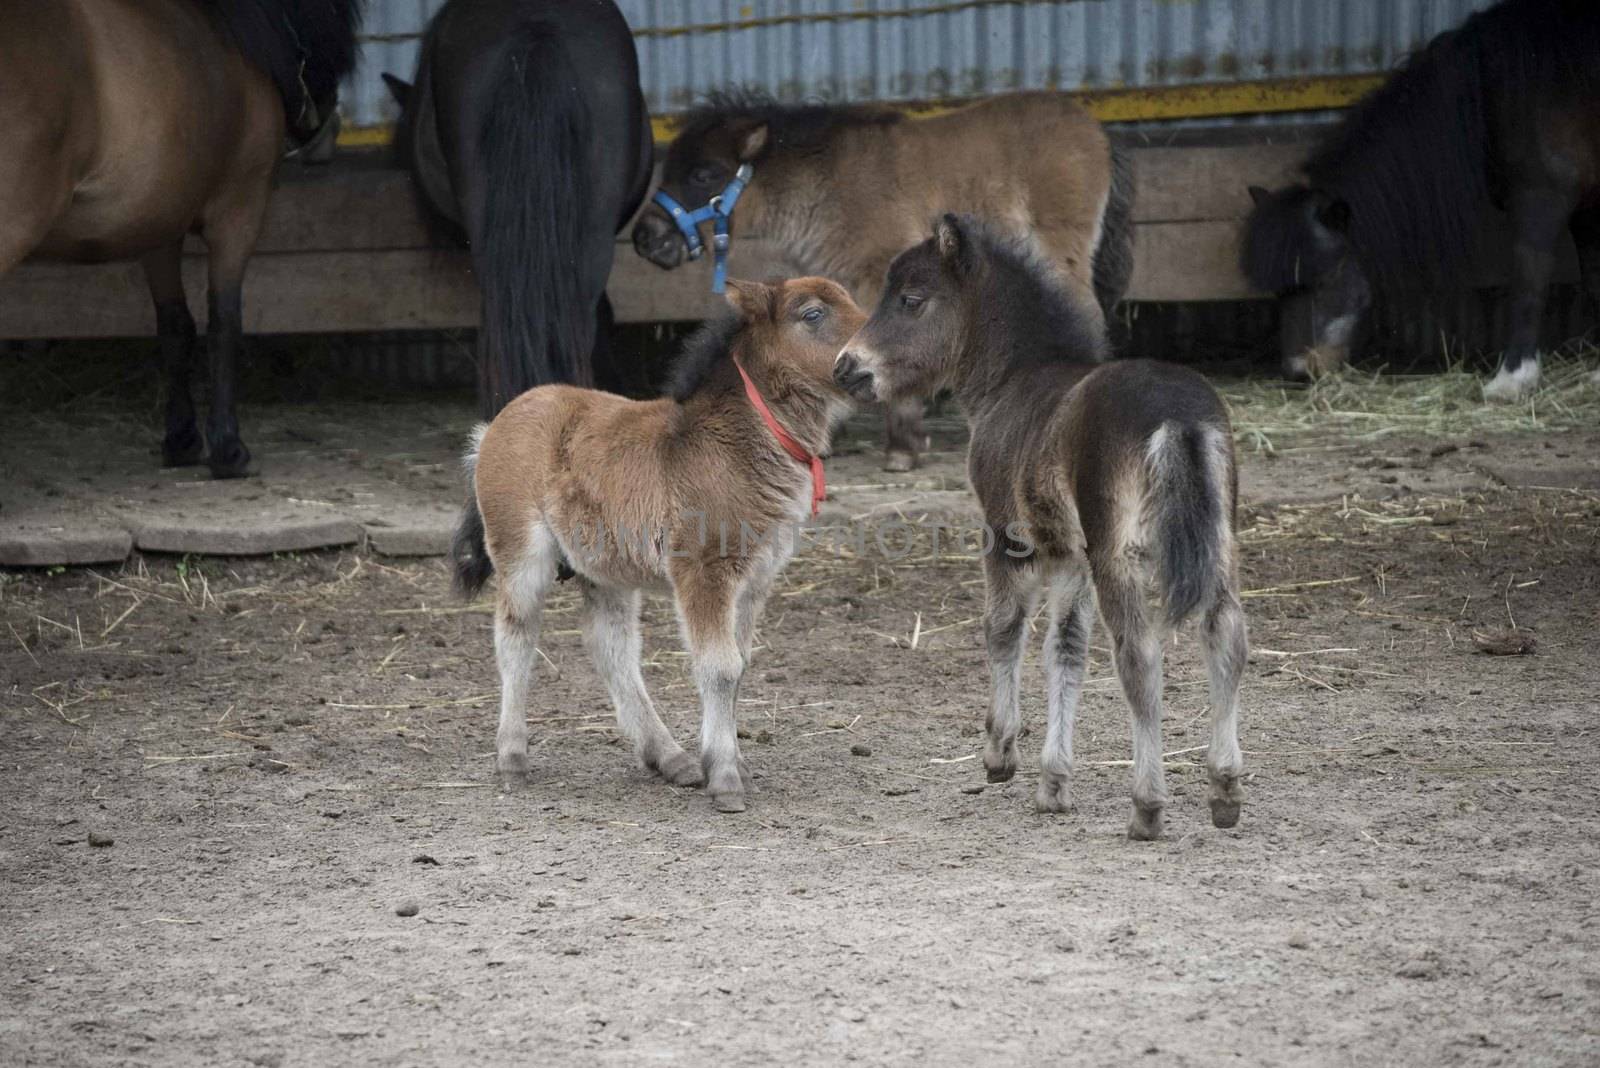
[(1023, 291), (1415, 159), (703, 352), (305, 46), (804, 128)]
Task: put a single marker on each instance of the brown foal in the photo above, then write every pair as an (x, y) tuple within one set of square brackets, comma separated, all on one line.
[(697, 491)]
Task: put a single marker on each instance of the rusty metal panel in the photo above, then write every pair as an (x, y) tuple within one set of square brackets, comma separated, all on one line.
[(924, 50)]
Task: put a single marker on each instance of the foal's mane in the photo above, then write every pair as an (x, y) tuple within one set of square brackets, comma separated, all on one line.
[(705, 350), (305, 46), (802, 128), (1419, 160), (1024, 296)]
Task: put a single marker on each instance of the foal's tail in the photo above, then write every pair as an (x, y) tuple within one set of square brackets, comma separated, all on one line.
[(1189, 505), (1112, 267), (536, 329), (469, 553)]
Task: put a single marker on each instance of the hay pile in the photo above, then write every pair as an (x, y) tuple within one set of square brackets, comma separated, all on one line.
[(1362, 405)]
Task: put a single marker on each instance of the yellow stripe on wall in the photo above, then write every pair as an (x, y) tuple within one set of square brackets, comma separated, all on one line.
[(1203, 101)]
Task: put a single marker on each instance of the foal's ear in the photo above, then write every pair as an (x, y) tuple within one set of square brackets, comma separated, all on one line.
[(751, 142), (752, 300), (398, 88), (951, 240), (1259, 195)]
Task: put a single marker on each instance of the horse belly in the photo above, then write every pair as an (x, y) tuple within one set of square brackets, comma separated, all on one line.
[(168, 112)]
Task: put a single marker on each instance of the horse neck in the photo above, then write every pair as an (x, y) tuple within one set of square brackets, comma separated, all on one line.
[(787, 203)]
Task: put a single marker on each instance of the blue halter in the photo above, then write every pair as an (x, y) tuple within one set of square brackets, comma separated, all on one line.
[(720, 211)]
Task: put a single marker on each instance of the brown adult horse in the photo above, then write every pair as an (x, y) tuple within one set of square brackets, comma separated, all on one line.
[(127, 124), (844, 188)]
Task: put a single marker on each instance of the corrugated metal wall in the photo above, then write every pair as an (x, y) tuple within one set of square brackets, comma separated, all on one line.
[(909, 50)]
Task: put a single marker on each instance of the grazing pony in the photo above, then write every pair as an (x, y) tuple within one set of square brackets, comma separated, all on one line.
[(1105, 479), (526, 133), (127, 124), (701, 491), (844, 188), (1503, 112)]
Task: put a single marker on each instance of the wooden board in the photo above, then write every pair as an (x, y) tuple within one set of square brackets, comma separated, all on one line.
[(345, 250)]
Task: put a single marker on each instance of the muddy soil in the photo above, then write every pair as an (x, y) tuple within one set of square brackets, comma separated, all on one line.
[(248, 815)]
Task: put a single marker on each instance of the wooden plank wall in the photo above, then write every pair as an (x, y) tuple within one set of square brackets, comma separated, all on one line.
[(344, 250)]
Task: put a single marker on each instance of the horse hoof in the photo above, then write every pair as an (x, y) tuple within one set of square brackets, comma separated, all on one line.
[(1054, 794), (1509, 387), (182, 450), (513, 772), (1002, 773), (1224, 813), (899, 460), (1145, 825), (681, 769), (229, 460), (728, 802)]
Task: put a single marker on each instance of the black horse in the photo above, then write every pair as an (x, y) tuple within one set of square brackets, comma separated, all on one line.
[(1503, 112), (527, 132)]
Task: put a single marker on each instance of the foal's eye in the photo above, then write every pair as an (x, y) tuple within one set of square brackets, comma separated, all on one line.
[(704, 175), (812, 315), (910, 302)]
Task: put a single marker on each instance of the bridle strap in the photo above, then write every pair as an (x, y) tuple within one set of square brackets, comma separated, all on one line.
[(801, 454), (719, 211)]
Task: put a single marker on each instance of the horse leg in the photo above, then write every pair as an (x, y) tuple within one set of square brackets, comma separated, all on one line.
[(1537, 217), (1226, 646), (904, 434), (163, 270), (1585, 227), (230, 226), (611, 634), (518, 609), (1066, 654), (1137, 643), (1005, 622), (707, 603)]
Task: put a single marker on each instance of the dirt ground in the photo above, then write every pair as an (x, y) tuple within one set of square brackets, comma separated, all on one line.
[(285, 752)]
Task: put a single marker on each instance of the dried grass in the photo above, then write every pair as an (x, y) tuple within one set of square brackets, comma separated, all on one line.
[(1364, 406)]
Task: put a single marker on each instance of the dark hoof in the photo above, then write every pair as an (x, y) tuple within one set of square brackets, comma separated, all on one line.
[(229, 459), (681, 769), (1224, 814), (182, 449), (1001, 774), (1146, 824), (900, 460)]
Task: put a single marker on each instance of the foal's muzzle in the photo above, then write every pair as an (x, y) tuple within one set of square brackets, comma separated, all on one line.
[(657, 240), (853, 378)]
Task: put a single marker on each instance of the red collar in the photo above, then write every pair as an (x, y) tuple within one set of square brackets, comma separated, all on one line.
[(819, 482)]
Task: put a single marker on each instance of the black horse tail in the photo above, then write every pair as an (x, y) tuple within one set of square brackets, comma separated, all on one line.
[(1113, 254), (1189, 512), (535, 329), (469, 553)]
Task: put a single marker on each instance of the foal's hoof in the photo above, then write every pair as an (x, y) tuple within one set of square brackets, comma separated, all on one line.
[(513, 772), (1000, 767), (1054, 793), (229, 459), (681, 769), (900, 460), (1146, 824), (1226, 799), (728, 802), (182, 448)]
